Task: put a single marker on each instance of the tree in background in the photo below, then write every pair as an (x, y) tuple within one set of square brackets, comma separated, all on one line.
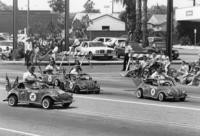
[(4, 6), (57, 5), (89, 7), (130, 15), (138, 31)]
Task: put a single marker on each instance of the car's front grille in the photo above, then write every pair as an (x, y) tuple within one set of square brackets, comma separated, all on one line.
[(102, 51), (109, 51)]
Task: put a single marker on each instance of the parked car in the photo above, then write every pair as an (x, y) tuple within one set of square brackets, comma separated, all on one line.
[(161, 90), (4, 44), (115, 42), (102, 39), (120, 49), (82, 83), (95, 50), (160, 48), (40, 94)]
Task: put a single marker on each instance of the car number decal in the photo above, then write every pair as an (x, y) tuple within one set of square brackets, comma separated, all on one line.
[(32, 97), (49, 78), (153, 91)]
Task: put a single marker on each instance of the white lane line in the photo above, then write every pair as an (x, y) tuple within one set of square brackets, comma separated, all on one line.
[(138, 103), (18, 132), (113, 116)]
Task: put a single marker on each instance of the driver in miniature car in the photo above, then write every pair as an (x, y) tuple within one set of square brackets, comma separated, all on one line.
[(29, 77), (51, 66), (76, 70)]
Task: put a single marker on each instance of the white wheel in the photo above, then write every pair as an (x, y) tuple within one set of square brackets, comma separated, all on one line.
[(161, 97), (12, 100), (46, 103), (139, 93)]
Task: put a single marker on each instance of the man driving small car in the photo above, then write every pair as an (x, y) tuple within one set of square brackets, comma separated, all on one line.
[(29, 76)]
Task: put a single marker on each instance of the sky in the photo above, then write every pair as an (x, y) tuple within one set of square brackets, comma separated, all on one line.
[(103, 5)]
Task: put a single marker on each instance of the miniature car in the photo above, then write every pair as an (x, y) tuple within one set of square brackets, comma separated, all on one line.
[(57, 79), (161, 90), (40, 94), (82, 83)]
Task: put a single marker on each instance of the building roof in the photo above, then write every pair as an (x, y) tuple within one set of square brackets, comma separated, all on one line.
[(93, 16), (158, 19)]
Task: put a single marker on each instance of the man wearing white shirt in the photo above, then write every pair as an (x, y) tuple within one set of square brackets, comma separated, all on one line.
[(54, 52), (128, 50)]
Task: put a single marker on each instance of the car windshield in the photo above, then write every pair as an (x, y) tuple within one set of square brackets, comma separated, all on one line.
[(4, 43), (96, 44), (166, 83)]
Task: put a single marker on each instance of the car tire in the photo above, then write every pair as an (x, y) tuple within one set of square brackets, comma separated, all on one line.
[(12, 100), (76, 90), (57, 82), (66, 105), (139, 93), (161, 97), (47, 103), (182, 99)]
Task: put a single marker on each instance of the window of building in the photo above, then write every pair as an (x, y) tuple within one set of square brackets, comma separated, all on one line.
[(106, 28)]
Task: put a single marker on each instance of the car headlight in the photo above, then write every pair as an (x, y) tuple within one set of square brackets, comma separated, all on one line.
[(170, 93), (184, 92)]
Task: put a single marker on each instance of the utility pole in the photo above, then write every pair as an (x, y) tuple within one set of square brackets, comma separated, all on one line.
[(169, 27), (27, 25), (112, 6), (15, 30), (66, 48), (194, 2)]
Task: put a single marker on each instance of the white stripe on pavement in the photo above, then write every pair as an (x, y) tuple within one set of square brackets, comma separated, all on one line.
[(139, 103), (18, 132)]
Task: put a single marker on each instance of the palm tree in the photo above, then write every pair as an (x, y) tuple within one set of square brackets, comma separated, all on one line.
[(138, 32), (144, 23), (131, 14)]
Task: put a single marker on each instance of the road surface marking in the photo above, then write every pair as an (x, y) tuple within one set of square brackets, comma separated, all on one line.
[(112, 116), (18, 132), (139, 103)]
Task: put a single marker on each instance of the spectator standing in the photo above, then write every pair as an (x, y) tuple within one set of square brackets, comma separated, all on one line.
[(128, 50)]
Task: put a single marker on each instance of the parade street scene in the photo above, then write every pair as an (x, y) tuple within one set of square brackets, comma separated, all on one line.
[(99, 67)]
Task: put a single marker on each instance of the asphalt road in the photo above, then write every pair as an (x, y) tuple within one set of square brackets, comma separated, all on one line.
[(114, 112)]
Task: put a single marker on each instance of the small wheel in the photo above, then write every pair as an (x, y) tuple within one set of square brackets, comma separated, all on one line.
[(56, 82), (66, 105), (139, 93), (161, 97), (12, 100), (182, 99), (76, 90), (47, 103)]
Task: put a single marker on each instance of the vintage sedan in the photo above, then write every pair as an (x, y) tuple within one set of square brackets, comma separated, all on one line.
[(38, 93), (82, 83), (95, 50), (161, 90)]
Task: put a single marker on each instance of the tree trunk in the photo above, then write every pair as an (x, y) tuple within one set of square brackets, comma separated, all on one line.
[(144, 23), (138, 31)]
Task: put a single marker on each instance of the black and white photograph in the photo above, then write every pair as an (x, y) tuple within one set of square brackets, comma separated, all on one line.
[(99, 67)]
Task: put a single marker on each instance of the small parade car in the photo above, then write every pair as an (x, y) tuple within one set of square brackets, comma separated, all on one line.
[(40, 94), (161, 90), (82, 83)]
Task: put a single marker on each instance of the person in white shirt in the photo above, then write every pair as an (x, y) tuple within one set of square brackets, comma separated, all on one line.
[(29, 77), (127, 51), (51, 67), (54, 52)]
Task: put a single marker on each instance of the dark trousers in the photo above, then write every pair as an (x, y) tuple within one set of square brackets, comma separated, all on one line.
[(126, 58)]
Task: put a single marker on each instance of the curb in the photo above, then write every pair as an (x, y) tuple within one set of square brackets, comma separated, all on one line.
[(72, 62)]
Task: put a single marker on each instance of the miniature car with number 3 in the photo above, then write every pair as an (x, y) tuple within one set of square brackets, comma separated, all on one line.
[(38, 93), (161, 90), (82, 83)]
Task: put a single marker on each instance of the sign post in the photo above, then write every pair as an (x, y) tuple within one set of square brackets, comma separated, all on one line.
[(195, 37)]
